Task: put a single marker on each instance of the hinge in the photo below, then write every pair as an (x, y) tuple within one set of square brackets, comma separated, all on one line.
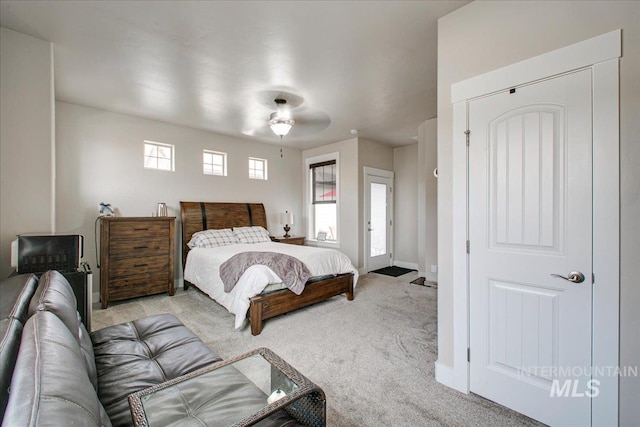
[(593, 279), (390, 255), (391, 222), (390, 189), (468, 354), (468, 247), (467, 133)]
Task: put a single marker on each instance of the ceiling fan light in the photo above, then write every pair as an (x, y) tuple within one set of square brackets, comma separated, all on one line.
[(279, 125)]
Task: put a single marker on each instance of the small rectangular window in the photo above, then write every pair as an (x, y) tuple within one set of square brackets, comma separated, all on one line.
[(159, 156), (214, 163), (257, 168)]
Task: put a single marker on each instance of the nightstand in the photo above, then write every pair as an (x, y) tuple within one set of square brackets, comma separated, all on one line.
[(297, 240)]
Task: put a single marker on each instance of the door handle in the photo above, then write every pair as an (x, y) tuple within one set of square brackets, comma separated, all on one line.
[(370, 229), (574, 276)]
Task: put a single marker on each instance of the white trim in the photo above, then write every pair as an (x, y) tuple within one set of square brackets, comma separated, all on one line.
[(369, 171), (409, 265), (583, 54), (460, 262), (53, 139), (606, 238), (378, 172), (601, 53), (445, 375)]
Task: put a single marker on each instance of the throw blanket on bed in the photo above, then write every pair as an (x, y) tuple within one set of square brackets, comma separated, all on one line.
[(291, 270)]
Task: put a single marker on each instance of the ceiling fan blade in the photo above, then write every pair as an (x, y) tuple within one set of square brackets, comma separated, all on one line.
[(309, 122)]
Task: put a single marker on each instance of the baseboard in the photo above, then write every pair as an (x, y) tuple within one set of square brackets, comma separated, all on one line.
[(446, 375), (409, 265)]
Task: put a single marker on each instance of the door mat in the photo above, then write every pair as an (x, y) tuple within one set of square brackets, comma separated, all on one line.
[(392, 271), (423, 282)]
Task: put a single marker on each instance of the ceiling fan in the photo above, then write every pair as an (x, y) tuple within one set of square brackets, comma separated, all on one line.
[(280, 121), (290, 117)]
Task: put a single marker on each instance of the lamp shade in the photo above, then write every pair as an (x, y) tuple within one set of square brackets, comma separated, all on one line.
[(286, 218), (280, 125)]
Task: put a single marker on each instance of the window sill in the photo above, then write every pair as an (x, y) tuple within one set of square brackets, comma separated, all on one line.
[(322, 243)]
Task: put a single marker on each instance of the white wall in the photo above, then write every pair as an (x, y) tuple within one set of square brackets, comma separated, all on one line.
[(520, 30), (100, 159), (26, 139), (427, 199), (405, 200)]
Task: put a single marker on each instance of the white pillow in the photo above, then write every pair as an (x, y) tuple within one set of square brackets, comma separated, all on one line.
[(212, 238), (254, 234)]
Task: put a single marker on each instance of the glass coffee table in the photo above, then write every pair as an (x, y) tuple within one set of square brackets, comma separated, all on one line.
[(240, 391)]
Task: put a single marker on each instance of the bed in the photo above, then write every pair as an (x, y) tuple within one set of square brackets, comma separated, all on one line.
[(199, 216)]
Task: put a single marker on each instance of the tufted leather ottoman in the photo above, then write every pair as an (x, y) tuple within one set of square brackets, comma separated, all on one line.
[(135, 355)]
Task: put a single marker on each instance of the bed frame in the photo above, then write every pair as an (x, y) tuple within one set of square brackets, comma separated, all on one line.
[(198, 216)]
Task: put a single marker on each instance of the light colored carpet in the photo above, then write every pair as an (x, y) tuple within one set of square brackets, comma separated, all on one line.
[(373, 356)]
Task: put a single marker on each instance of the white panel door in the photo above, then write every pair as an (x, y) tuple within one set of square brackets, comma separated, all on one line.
[(530, 217), (378, 205)]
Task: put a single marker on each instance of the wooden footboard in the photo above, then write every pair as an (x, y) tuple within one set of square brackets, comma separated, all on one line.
[(275, 303)]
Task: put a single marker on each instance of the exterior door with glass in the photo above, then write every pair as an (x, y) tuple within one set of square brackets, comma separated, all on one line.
[(379, 218)]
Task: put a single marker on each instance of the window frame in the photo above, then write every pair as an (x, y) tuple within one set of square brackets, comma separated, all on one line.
[(214, 153), (157, 145), (314, 181), (265, 165), (310, 206)]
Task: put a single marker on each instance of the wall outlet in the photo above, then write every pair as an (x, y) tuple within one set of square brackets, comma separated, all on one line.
[(434, 269)]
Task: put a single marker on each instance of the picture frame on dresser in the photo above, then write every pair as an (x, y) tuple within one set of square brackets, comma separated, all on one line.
[(136, 257)]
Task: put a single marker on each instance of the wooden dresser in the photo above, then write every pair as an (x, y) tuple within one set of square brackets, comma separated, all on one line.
[(136, 257)]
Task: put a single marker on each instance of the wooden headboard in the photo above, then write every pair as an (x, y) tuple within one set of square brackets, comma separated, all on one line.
[(198, 216)]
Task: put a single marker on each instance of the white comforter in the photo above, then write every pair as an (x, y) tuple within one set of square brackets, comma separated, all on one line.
[(203, 270)]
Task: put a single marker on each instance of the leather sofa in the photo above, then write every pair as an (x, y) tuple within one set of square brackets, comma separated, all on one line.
[(55, 373)]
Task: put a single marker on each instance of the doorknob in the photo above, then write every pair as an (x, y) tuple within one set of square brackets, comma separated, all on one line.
[(370, 229), (574, 276)]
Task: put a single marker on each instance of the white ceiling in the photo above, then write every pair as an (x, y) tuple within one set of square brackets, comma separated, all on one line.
[(218, 66)]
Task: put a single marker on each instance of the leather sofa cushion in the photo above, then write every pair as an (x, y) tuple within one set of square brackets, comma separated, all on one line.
[(139, 354), (15, 294), (47, 388), (55, 294), (12, 331)]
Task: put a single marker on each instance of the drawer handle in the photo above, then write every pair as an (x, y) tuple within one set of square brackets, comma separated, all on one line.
[(140, 265), (141, 229), (140, 247)]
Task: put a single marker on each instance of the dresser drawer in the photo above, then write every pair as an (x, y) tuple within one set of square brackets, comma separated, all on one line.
[(137, 285), (134, 266), (138, 248), (138, 230)]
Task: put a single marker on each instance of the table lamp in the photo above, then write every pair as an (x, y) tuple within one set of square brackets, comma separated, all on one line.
[(286, 218)]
